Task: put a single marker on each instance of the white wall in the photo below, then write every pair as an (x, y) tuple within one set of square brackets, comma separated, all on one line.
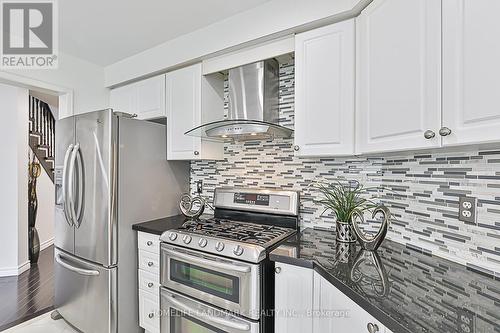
[(85, 79), (13, 180), (272, 19), (45, 214)]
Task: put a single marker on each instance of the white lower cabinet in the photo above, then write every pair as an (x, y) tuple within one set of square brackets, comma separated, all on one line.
[(307, 302), (149, 282), (335, 312), (293, 299)]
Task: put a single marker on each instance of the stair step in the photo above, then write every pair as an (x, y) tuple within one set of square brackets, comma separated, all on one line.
[(35, 135)]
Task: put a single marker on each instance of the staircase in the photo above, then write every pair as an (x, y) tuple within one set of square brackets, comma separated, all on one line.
[(42, 134)]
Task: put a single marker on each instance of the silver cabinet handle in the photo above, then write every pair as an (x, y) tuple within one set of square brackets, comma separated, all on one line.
[(196, 153), (77, 270), (212, 263), (296, 148), (151, 315), (150, 284), (277, 270), (149, 243), (241, 326), (65, 185), (444, 131), (429, 134), (150, 264), (372, 328)]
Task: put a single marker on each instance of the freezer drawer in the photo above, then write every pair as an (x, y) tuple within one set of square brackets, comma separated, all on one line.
[(86, 294)]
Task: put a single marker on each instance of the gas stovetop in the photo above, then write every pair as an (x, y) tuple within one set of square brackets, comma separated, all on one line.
[(234, 239), (247, 225), (260, 234)]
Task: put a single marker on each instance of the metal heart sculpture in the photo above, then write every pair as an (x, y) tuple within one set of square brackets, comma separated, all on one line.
[(369, 273), (191, 207), (368, 241)]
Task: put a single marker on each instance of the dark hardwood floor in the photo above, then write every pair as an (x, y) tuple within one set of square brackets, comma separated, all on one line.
[(28, 295)]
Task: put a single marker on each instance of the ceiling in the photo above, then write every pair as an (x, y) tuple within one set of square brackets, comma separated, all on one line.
[(104, 32)]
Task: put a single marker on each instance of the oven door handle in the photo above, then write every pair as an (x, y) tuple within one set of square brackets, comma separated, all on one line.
[(241, 326), (212, 263)]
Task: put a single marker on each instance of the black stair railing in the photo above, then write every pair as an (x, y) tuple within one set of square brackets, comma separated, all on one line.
[(42, 134)]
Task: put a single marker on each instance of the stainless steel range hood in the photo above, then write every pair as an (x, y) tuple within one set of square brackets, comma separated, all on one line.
[(253, 106)]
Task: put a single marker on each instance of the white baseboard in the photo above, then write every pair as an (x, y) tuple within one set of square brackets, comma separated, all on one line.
[(46, 244), (14, 271)]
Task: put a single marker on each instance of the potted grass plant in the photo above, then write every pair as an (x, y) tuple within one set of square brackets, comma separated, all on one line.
[(346, 201)]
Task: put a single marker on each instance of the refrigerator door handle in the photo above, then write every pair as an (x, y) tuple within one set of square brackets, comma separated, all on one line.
[(71, 184), (81, 188), (72, 268), (65, 185)]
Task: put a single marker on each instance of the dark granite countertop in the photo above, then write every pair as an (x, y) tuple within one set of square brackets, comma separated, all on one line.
[(411, 291), (159, 226)]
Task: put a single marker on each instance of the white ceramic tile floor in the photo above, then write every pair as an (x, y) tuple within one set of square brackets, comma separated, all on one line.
[(42, 324)]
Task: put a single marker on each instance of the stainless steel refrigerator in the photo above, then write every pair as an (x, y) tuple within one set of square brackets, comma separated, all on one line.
[(111, 172)]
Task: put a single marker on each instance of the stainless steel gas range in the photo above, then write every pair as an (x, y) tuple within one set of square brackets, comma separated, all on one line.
[(215, 272)]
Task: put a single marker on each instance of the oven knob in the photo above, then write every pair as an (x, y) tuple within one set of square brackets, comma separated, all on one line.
[(238, 250), (186, 239), (202, 242), (172, 236), (219, 246)]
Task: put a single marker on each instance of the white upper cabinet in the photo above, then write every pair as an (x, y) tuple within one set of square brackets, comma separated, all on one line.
[(398, 85), (324, 90), (192, 99), (123, 99), (151, 98), (471, 71), (145, 98)]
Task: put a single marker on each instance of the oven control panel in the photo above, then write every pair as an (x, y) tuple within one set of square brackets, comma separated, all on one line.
[(251, 199), (265, 201)]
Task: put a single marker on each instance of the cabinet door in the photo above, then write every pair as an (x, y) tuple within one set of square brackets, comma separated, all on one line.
[(398, 75), (471, 71), (183, 96), (151, 98), (149, 312), (324, 91), (145, 98), (123, 99), (337, 313), (293, 299)]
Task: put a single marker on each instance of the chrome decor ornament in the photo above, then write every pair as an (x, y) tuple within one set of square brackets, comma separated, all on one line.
[(191, 207), (368, 241)]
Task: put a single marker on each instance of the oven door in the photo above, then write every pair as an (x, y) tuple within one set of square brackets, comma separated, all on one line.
[(181, 314), (230, 284)]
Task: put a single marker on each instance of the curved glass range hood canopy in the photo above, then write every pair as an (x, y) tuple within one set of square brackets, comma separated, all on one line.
[(241, 130), (253, 106)]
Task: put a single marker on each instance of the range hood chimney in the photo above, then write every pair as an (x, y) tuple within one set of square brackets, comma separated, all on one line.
[(253, 106)]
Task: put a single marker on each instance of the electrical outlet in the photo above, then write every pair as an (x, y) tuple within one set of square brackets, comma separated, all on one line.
[(467, 209), (199, 186), (466, 321)]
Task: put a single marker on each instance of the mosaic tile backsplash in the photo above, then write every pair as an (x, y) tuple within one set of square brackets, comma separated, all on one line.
[(421, 189)]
